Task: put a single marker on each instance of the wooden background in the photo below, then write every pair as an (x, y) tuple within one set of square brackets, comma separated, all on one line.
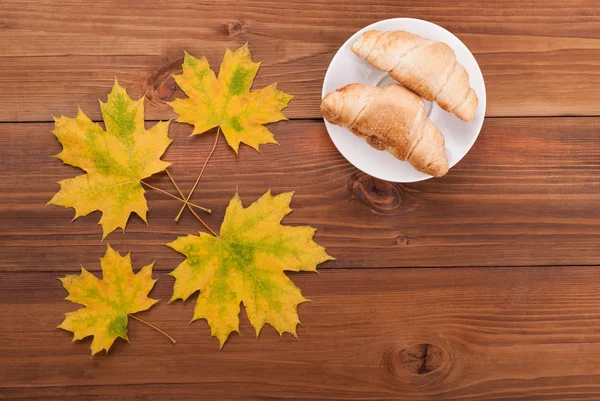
[(482, 285)]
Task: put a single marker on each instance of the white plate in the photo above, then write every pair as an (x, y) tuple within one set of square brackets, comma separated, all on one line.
[(346, 68)]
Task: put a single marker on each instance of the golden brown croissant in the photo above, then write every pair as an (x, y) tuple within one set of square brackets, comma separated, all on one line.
[(392, 118), (428, 68)]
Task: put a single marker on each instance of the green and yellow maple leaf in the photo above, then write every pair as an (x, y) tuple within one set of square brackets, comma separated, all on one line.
[(246, 263), (109, 301), (226, 101), (115, 160)]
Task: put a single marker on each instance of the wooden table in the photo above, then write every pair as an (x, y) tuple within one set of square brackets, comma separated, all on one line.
[(482, 285)]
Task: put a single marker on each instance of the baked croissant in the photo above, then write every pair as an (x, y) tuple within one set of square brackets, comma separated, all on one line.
[(428, 68), (391, 118)]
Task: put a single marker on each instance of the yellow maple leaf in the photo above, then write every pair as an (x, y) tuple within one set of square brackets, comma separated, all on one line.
[(109, 301), (115, 160), (246, 263), (226, 101)]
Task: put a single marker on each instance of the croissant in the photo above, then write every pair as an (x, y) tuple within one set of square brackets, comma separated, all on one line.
[(391, 118), (428, 68)]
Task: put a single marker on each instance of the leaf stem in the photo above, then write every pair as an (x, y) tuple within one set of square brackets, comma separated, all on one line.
[(200, 175), (154, 327), (202, 221), (174, 183), (176, 197), (191, 210)]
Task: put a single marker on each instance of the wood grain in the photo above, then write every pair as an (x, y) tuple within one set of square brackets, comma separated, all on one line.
[(525, 197), (527, 194), (539, 58), (501, 334)]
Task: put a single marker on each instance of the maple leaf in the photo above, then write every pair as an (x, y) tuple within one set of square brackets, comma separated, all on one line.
[(109, 301), (246, 263), (226, 101), (115, 160)]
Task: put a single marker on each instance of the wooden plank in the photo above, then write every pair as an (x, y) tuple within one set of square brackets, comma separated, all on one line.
[(492, 334), (539, 58), (527, 194)]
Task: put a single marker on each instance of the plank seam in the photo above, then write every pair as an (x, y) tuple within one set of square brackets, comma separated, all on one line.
[(316, 119), (332, 269)]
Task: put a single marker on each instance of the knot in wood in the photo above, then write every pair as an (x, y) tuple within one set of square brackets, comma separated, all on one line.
[(417, 360), (402, 240), (421, 359), (161, 85), (427, 364), (232, 28), (377, 194)]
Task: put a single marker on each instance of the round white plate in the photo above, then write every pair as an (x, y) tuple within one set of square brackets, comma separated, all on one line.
[(346, 68)]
